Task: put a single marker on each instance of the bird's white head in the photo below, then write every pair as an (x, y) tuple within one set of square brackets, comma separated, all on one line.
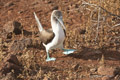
[(56, 16)]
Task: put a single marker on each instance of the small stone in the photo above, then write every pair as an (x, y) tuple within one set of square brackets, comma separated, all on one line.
[(9, 4), (20, 12), (80, 31), (48, 1), (17, 27), (55, 8), (46, 78), (8, 27), (106, 78), (76, 67), (93, 70), (102, 61)]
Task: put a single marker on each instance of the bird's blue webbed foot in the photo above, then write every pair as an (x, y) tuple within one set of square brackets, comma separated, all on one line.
[(68, 51), (50, 59)]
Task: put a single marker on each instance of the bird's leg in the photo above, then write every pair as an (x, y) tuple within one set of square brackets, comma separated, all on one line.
[(48, 57), (68, 51)]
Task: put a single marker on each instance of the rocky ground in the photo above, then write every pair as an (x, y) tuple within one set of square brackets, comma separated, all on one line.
[(92, 29)]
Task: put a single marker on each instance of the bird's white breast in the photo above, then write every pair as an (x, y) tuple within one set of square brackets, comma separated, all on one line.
[(59, 36)]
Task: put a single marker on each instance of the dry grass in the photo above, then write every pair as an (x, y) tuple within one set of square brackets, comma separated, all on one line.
[(97, 18)]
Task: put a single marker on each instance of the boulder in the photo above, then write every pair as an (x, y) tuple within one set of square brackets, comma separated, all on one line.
[(19, 45), (10, 63), (109, 72), (12, 27)]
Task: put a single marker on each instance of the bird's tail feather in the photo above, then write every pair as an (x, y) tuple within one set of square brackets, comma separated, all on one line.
[(38, 22)]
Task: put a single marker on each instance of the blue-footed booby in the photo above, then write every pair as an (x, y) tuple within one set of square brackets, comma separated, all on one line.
[(54, 37)]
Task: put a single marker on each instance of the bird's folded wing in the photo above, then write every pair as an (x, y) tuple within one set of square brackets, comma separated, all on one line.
[(46, 36)]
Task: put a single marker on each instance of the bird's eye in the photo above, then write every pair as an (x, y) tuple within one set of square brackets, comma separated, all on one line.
[(55, 18)]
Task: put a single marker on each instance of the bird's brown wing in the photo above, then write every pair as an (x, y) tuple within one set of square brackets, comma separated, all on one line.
[(46, 36)]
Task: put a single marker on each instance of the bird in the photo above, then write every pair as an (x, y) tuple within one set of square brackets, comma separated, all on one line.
[(54, 37)]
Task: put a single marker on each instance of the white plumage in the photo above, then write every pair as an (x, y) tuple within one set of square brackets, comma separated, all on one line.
[(53, 38)]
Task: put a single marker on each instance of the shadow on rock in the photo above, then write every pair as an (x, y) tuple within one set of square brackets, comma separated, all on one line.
[(94, 54), (27, 33)]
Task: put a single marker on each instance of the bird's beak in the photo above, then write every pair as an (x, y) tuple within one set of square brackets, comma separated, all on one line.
[(61, 22)]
